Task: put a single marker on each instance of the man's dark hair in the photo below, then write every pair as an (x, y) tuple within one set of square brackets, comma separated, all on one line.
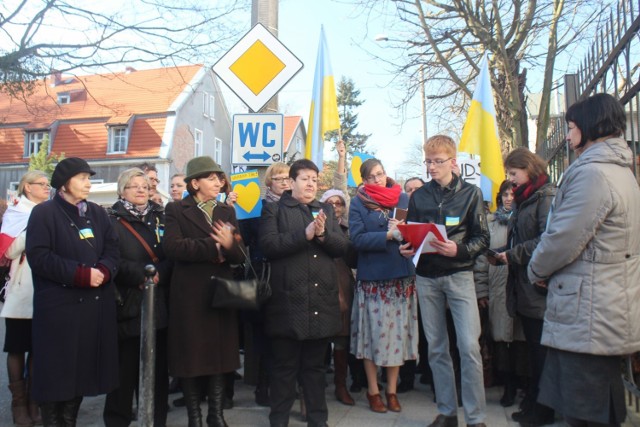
[(597, 116), (299, 165), (146, 167), (413, 178)]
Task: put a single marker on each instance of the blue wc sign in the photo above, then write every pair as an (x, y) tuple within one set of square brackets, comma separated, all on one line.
[(257, 139)]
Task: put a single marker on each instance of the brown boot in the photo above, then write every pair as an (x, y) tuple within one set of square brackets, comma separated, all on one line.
[(340, 377), (19, 408)]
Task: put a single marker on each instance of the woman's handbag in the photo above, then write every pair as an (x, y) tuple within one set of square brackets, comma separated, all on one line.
[(247, 294)]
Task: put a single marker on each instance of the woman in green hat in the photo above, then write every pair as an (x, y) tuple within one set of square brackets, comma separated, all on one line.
[(201, 238)]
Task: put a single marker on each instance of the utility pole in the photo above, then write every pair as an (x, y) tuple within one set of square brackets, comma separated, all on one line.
[(265, 12)]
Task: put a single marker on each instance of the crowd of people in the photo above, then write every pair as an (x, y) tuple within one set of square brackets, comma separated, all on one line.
[(537, 295)]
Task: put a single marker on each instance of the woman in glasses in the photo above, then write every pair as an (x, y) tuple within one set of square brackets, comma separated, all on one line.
[(18, 306), (384, 321), (136, 218)]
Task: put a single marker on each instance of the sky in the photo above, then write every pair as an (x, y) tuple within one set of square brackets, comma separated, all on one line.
[(348, 34)]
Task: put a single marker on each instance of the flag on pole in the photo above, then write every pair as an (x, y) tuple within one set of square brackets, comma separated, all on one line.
[(323, 116), (480, 136)]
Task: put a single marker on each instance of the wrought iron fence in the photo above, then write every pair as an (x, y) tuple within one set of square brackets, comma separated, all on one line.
[(611, 65)]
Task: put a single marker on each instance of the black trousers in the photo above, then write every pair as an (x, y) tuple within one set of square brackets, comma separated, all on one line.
[(532, 329), (293, 359), (117, 407)]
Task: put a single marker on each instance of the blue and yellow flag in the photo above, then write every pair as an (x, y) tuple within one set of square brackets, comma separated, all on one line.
[(480, 136), (323, 116)]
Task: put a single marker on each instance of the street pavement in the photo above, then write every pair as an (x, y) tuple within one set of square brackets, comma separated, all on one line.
[(418, 409)]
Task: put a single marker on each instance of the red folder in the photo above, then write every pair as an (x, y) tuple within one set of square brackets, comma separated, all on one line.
[(415, 233)]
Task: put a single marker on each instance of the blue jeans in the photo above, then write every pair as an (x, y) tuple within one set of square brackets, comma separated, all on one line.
[(458, 291)]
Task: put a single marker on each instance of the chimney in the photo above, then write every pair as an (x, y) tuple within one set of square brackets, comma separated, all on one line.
[(130, 70), (56, 77)]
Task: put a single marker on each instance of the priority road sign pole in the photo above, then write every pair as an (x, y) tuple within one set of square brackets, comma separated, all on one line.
[(147, 379)]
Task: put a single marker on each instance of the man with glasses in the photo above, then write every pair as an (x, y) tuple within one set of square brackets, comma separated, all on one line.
[(446, 278), (152, 173)]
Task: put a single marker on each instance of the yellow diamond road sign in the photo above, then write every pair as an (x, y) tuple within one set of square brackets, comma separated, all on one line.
[(257, 67)]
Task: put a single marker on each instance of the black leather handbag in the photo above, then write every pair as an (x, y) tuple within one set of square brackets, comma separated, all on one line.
[(247, 294)]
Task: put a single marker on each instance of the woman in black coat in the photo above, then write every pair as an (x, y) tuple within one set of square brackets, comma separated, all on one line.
[(533, 194), (134, 209), (301, 237), (200, 239), (73, 253)]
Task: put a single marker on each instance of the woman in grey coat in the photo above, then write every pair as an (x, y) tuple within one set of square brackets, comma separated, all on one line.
[(589, 260)]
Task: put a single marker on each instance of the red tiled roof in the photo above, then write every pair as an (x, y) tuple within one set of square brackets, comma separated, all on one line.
[(95, 100)]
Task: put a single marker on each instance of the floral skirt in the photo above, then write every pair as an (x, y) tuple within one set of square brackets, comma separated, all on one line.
[(384, 321)]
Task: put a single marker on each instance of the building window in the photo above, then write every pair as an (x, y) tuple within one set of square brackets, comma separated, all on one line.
[(34, 141), (205, 104), (197, 138), (299, 144), (212, 107), (64, 98), (117, 140), (217, 151)]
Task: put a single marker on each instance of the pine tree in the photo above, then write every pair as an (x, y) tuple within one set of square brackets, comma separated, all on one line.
[(348, 101), (43, 160)]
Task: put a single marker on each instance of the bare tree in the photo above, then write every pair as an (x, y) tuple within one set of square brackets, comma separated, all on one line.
[(446, 40), (37, 36)]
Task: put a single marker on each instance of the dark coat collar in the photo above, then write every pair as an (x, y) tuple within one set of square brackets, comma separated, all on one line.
[(288, 200)]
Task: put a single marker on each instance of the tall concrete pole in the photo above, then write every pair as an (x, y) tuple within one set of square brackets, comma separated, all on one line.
[(266, 13)]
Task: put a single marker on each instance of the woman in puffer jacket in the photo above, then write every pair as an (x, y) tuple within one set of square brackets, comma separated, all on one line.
[(589, 260)]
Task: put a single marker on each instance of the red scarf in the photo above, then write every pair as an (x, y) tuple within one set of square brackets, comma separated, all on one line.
[(524, 191), (377, 197)]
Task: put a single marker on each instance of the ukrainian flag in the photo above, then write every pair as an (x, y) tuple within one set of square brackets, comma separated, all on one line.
[(480, 136), (323, 116)]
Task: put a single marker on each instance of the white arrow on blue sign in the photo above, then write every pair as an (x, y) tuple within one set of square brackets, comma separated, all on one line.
[(257, 139)]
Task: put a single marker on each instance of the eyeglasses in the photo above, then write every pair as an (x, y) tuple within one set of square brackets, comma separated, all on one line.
[(156, 180), (136, 187), (41, 184), (373, 178), (437, 162), (334, 204), (278, 180)]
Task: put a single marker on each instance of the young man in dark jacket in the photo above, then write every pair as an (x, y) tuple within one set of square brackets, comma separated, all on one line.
[(446, 277)]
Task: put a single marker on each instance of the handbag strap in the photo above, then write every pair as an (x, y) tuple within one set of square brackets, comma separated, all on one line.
[(144, 244)]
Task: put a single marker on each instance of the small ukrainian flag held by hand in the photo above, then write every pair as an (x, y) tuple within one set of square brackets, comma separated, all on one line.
[(354, 179), (323, 116), (480, 136)]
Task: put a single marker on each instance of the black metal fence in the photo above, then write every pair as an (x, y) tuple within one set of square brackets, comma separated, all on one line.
[(612, 65)]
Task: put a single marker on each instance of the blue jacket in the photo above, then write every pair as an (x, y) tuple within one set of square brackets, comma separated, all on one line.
[(378, 258)]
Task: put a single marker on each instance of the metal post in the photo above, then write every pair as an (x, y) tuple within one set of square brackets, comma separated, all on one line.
[(146, 379)]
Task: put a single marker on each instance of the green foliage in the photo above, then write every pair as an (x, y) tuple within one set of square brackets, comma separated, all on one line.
[(348, 101), (43, 160)]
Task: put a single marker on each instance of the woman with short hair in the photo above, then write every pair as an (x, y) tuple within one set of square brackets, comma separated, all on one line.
[(73, 253), (138, 219), (17, 309), (589, 261), (300, 237)]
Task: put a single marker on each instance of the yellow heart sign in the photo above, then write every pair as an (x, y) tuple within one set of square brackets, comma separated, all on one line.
[(248, 196), (356, 162)]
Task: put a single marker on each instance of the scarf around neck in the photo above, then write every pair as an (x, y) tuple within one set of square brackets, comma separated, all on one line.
[(270, 196), (501, 215), (133, 210), (524, 191), (375, 197), (207, 208)]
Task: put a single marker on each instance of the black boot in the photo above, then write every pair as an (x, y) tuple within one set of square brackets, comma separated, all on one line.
[(51, 415), (70, 410), (509, 396), (191, 392), (215, 395), (262, 388)]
